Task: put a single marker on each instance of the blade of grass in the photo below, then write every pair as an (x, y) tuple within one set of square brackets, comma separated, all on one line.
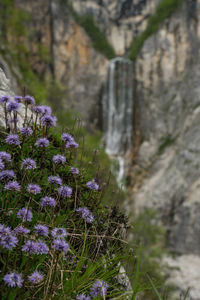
[(187, 293), (154, 288), (136, 281)]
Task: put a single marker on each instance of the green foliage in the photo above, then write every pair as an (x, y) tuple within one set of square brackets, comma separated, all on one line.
[(96, 248), (149, 239), (166, 143), (92, 156), (99, 40), (164, 10), (14, 38)]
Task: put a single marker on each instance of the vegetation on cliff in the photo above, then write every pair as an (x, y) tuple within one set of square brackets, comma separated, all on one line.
[(164, 10), (98, 38)]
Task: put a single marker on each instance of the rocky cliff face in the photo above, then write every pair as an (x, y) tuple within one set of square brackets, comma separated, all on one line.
[(72, 61), (121, 20), (167, 74)]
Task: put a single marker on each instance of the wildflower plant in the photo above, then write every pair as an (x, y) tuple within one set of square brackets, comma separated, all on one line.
[(57, 239)]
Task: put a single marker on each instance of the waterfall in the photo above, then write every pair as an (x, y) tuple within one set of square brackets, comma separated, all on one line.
[(118, 110)]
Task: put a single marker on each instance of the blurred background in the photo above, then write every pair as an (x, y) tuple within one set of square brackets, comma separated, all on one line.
[(125, 75)]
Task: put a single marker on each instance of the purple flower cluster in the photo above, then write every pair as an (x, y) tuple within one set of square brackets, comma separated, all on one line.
[(4, 156), (7, 239), (59, 159), (65, 191), (13, 279), (35, 277), (26, 131), (86, 214), (21, 230), (28, 164), (49, 121), (12, 186), (12, 139), (7, 175), (42, 110), (92, 185), (74, 171), (60, 245), (48, 201), (69, 140), (41, 230), (99, 288), (38, 109), (18, 99), (2, 166), (35, 247), (33, 189), (55, 180), (59, 233), (25, 214), (46, 110), (42, 142), (4, 99), (12, 106), (29, 100)]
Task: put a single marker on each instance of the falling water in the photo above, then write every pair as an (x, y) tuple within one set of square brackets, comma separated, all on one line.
[(118, 110)]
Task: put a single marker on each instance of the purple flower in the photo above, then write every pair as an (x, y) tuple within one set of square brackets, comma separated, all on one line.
[(86, 214), (42, 247), (33, 247), (48, 201), (21, 230), (92, 185), (26, 131), (12, 106), (7, 175), (59, 233), (13, 279), (28, 164), (29, 100), (60, 245), (4, 230), (74, 171), (55, 180), (4, 99), (35, 277), (42, 142), (30, 247), (99, 288), (12, 139), (49, 121), (12, 186), (33, 189), (72, 144), (8, 241), (2, 166), (46, 110), (38, 109), (41, 230), (66, 137), (25, 214), (59, 159), (4, 156), (65, 191), (18, 99), (82, 297)]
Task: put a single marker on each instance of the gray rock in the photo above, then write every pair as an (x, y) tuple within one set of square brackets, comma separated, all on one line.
[(121, 20), (168, 93)]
